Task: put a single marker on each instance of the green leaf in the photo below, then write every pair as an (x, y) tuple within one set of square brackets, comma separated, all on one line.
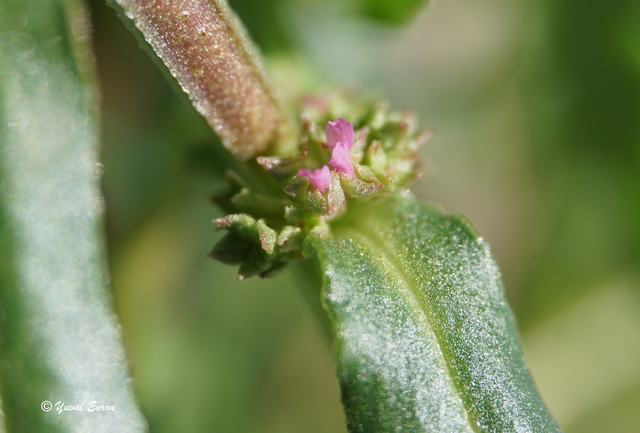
[(60, 337), (425, 338), (390, 12)]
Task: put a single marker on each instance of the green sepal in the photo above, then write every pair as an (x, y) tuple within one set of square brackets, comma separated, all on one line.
[(290, 238), (293, 215), (357, 188), (231, 249), (315, 201), (266, 236), (359, 145), (242, 224), (249, 229), (258, 205), (297, 188), (317, 234), (282, 169), (223, 197), (253, 264), (376, 159), (336, 199)]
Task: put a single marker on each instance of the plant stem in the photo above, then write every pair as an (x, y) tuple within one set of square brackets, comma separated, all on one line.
[(206, 49)]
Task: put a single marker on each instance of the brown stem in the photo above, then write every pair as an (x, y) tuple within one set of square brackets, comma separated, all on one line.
[(206, 49)]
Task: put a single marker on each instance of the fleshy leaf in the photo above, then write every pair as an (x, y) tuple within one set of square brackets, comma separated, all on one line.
[(425, 338), (60, 338)]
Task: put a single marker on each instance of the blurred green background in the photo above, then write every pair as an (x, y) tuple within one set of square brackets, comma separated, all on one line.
[(536, 111)]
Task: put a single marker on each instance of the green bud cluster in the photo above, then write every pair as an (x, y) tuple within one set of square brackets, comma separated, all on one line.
[(265, 233)]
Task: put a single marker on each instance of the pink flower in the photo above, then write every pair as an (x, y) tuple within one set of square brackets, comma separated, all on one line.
[(341, 159), (320, 178), (340, 139), (339, 131)]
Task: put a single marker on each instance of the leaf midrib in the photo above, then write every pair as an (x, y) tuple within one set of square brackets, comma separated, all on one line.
[(371, 241)]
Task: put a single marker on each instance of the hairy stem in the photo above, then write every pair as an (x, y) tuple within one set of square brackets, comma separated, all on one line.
[(206, 49)]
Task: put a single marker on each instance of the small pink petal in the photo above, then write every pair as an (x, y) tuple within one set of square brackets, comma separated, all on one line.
[(339, 131), (320, 178), (341, 159)]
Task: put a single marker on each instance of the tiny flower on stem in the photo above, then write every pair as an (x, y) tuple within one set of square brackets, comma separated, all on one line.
[(340, 138), (341, 159), (338, 131), (320, 178)]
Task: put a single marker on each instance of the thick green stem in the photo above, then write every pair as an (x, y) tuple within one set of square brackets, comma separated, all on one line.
[(206, 49)]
